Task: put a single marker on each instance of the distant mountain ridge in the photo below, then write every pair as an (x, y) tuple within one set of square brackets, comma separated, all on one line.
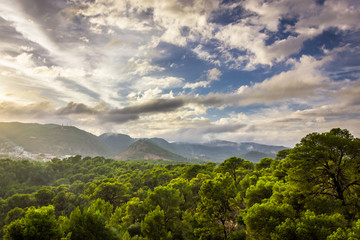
[(217, 150), (50, 139), (67, 140)]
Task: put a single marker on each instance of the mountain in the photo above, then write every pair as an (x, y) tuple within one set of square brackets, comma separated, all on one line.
[(217, 150), (50, 139), (116, 142), (32, 140), (255, 156), (220, 150), (146, 149)]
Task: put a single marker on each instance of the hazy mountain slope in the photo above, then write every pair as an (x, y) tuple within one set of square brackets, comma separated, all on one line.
[(146, 149), (268, 149), (255, 156), (63, 140), (51, 138), (116, 142), (220, 150)]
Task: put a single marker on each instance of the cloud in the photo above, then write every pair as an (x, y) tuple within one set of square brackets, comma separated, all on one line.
[(222, 128), (110, 65), (343, 103), (74, 86), (181, 23), (173, 35), (153, 106), (251, 40), (206, 56), (211, 75), (302, 81), (100, 112), (121, 115), (197, 84), (75, 108), (204, 132), (343, 15), (28, 28), (117, 14), (148, 82), (16, 112), (142, 67), (268, 13)]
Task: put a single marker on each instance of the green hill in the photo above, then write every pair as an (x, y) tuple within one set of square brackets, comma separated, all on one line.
[(50, 138), (145, 149)]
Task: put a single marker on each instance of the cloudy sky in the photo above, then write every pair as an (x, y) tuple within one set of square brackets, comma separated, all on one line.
[(268, 71)]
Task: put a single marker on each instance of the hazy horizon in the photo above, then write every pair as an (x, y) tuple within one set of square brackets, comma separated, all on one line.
[(194, 70)]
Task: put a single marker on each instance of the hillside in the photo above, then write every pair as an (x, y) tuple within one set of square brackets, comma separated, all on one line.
[(220, 150), (116, 142), (30, 140), (50, 138), (146, 149), (217, 150), (255, 156)]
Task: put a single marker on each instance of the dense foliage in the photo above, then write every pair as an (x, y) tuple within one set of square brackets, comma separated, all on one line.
[(309, 192)]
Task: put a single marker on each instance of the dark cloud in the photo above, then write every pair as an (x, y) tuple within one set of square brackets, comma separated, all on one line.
[(132, 113), (289, 120), (36, 110), (8, 32), (76, 108), (46, 13), (42, 9), (59, 22), (153, 106), (122, 115), (12, 41), (213, 99)]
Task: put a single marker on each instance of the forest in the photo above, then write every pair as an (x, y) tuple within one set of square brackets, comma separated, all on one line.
[(308, 192)]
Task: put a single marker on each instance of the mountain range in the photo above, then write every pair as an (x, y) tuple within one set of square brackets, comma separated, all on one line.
[(50, 140)]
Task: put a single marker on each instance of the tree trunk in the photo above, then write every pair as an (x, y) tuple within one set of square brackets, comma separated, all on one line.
[(225, 233)]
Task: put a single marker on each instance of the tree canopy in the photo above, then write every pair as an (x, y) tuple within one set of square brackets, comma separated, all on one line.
[(308, 192)]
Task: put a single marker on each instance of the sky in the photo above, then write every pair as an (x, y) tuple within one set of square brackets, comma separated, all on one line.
[(265, 71)]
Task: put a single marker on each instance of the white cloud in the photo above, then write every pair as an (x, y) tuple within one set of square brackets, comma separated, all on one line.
[(148, 82), (304, 80), (211, 75), (341, 14), (24, 59), (144, 96), (203, 84), (112, 14), (26, 26), (173, 35), (142, 67), (111, 52), (204, 55), (268, 13)]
